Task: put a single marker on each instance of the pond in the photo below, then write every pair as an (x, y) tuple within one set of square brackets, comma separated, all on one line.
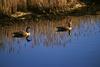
[(48, 48)]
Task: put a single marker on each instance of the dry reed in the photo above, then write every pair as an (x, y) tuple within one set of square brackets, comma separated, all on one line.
[(11, 6)]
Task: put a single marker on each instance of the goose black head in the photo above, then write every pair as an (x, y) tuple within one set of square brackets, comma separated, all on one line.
[(28, 29)]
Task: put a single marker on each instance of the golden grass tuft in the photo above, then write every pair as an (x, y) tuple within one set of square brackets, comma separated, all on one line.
[(11, 6)]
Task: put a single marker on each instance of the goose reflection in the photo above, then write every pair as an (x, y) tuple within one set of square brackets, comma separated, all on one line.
[(21, 34)]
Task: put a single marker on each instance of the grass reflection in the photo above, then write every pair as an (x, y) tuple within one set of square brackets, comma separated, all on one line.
[(43, 33)]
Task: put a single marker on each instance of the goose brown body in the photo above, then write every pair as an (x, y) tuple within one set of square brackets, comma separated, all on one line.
[(20, 34)]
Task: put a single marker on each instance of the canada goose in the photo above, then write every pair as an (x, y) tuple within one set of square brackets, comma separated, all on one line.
[(68, 28), (21, 34), (64, 28)]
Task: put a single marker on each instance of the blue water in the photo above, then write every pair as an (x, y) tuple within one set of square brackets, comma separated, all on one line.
[(49, 48)]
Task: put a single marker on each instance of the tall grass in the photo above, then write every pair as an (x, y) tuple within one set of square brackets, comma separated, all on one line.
[(11, 6)]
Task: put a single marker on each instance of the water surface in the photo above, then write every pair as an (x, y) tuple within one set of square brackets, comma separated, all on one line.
[(49, 48)]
